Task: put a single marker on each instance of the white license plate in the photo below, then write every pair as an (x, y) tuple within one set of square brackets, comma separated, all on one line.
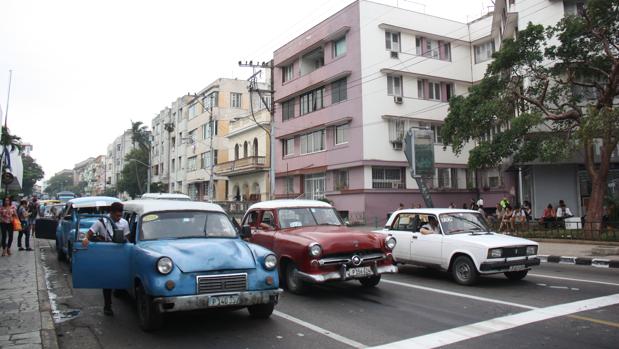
[(359, 272), (220, 301), (517, 267)]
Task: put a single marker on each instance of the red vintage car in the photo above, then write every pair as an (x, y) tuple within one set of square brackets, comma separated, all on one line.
[(314, 245)]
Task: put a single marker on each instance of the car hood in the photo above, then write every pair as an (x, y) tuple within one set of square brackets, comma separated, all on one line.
[(193, 255), (339, 239), (492, 240)]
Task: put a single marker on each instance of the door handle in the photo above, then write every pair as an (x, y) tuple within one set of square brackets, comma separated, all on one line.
[(415, 236)]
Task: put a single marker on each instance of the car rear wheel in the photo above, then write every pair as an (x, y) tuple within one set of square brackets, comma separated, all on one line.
[(261, 311), (60, 255), (150, 317), (370, 281), (463, 271), (516, 275), (293, 282)]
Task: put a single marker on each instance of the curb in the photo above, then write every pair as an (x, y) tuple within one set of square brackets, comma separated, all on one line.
[(49, 339), (587, 261)]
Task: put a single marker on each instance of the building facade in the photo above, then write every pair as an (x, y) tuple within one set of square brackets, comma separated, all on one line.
[(115, 160)]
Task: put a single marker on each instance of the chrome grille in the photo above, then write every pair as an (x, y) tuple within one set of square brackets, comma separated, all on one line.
[(222, 283)]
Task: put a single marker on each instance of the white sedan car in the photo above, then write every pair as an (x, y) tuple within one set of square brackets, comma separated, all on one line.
[(461, 243)]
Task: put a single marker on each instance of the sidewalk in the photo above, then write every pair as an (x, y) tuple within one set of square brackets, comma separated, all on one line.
[(25, 318)]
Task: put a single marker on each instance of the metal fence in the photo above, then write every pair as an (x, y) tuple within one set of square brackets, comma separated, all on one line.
[(596, 231)]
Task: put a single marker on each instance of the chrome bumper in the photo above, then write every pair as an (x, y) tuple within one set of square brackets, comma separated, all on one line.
[(504, 265), (340, 275), (200, 301)]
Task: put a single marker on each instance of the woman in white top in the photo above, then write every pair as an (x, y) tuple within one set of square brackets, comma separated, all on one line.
[(563, 211)]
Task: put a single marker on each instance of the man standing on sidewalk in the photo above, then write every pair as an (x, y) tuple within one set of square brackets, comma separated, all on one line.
[(23, 214), (103, 231), (33, 210)]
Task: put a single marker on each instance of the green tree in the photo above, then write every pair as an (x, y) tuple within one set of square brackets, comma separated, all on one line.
[(551, 91), (32, 173), (140, 135), (133, 174), (59, 182)]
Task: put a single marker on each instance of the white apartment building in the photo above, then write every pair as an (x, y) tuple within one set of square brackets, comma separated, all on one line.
[(115, 159)]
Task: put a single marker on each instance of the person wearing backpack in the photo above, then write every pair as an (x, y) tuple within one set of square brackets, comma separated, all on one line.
[(103, 231)]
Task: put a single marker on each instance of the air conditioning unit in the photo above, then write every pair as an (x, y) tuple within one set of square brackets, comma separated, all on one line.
[(397, 145), (398, 99), (394, 54)]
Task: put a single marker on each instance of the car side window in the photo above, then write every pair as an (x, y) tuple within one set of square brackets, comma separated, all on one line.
[(406, 222), (251, 219), (133, 224), (268, 221)]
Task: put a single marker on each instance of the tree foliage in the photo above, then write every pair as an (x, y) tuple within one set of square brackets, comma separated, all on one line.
[(32, 173), (551, 95), (59, 182), (140, 135), (134, 173)]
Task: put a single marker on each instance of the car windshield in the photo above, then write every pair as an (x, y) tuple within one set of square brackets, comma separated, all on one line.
[(462, 222), (308, 216), (186, 224)]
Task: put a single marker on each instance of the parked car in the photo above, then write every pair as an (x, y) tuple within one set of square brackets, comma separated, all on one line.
[(165, 196), (65, 196), (181, 256), (464, 245), (314, 246), (68, 223)]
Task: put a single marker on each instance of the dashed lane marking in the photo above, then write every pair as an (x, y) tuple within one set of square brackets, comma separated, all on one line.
[(482, 328), (457, 294), (320, 330), (573, 279)]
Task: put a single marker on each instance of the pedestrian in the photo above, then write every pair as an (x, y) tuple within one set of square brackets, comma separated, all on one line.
[(418, 205), (451, 205), (518, 216), (7, 214), (506, 220), (563, 211), (504, 202), (528, 211), (33, 209), (549, 216), (23, 214), (401, 207), (103, 231), (480, 202)]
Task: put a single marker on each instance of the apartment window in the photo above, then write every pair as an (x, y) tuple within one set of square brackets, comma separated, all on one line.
[(288, 110), (432, 49), (193, 111), (117, 147), (191, 163), (203, 160), (312, 100), (289, 185), (436, 129), (418, 50), (338, 91), (173, 166), (443, 178), (341, 134), (339, 47), (470, 178), (340, 179), (288, 146), (434, 90), (235, 99), (394, 85), (483, 52), (392, 41), (206, 129), (574, 8), (313, 142), (312, 61), (387, 178), (315, 186), (449, 90), (211, 100), (288, 72)]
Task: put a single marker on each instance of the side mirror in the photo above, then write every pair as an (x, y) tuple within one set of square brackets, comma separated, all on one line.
[(245, 232), (119, 236)]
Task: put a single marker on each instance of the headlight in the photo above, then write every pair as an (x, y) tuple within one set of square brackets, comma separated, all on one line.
[(531, 250), (495, 253), (270, 262), (315, 250), (165, 265), (390, 242)]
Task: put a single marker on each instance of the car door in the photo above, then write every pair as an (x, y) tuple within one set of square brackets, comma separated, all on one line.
[(402, 229), (426, 249), (102, 265), (264, 234)]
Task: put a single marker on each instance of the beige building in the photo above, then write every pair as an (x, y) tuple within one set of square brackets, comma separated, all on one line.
[(115, 160)]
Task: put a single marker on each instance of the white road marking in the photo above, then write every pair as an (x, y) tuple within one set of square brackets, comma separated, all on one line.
[(560, 287), (320, 330), (572, 279), (482, 328), (463, 295)]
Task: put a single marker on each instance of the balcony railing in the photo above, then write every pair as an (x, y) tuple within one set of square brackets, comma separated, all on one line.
[(247, 164)]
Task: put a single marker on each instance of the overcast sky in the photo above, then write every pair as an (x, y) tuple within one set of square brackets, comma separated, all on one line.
[(82, 69)]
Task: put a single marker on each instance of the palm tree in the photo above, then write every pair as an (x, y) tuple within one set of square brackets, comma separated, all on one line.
[(10, 141), (140, 135)]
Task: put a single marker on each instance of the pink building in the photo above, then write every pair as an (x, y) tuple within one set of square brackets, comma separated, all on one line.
[(347, 90)]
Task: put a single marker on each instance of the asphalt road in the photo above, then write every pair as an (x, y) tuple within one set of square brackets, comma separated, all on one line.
[(556, 306)]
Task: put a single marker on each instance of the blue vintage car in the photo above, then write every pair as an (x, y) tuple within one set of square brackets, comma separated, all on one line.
[(66, 231), (181, 256)]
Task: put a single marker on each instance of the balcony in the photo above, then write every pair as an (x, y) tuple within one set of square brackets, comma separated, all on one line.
[(241, 166)]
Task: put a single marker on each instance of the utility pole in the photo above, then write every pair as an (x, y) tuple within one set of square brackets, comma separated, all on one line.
[(253, 87), (8, 98)]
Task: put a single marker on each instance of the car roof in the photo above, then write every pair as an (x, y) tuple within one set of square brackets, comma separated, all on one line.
[(92, 201), (162, 196), (432, 211), (271, 204), (144, 206)]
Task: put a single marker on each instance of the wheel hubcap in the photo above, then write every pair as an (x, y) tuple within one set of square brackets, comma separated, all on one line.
[(463, 271)]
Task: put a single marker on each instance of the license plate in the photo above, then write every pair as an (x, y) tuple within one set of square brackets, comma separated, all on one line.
[(220, 301), (517, 267), (359, 272)]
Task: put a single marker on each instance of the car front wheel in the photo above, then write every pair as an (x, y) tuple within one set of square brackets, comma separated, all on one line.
[(516, 275), (370, 281), (150, 317), (463, 271), (261, 311), (293, 282)]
